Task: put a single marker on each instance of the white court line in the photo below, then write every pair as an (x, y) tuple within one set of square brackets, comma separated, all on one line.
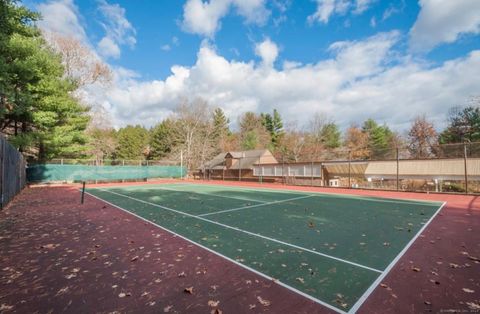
[(348, 196), (257, 205), (232, 197), (372, 287), (331, 307), (248, 232)]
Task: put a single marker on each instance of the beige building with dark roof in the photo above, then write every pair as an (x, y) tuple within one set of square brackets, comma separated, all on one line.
[(236, 164)]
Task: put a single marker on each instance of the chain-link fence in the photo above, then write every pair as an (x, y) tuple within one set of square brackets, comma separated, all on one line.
[(12, 172), (96, 171), (429, 168)]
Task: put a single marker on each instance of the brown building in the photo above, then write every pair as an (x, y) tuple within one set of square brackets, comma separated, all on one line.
[(235, 165)]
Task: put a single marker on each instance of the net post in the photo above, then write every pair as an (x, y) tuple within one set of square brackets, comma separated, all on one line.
[(83, 192), (465, 166)]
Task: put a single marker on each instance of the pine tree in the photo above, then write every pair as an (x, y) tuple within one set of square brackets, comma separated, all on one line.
[(37, 112), (464, 125), (162, 139), (132, 143), (330, 135)]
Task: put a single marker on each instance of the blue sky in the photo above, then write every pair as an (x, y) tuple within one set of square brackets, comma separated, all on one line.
[(347, 59)]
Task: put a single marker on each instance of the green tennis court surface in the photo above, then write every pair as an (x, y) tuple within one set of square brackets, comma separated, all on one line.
[(329, 248)]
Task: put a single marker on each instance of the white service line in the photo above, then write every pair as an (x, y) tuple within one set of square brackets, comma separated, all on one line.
[(216, 195), (347, 196), (331, 307), (256, 205), (372, 287), (248, 232)]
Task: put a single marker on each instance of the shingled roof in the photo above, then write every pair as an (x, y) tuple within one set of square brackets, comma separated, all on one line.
[(241, 159)]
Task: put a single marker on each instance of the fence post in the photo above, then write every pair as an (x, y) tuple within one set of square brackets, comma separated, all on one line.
[(181, 165), (349, 169), (465, 166), (398, 169), (240, 169), (311, 173)]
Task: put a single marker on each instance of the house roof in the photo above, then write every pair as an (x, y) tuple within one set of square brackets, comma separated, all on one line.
[(241, 159)]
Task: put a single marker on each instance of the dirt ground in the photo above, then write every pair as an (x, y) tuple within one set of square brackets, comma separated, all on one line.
[(60, 256)]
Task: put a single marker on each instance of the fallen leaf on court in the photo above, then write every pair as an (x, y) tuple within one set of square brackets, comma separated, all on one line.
[(5, 307), (167, 308), (263, 301), (427, 302), (300, 279), (473, 305), (251, 306), (188, 290), (62, 291), (362, 243), (182, 274), (283, 265), (468, 290), (416, 269), (122, 295), (383, 285), (453, 265), (473, 258), (311, 224), (386, 244), (213, 303), (134, 259), (48, 246)]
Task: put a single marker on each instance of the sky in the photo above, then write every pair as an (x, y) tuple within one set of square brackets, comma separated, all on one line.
[(390, 60)]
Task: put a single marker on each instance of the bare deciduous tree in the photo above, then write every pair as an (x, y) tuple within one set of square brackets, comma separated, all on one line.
[(81, 64), (195, 129), (421, 138), (356, 141)]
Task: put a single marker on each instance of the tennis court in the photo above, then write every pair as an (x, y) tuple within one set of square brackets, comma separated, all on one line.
[(332, 249)]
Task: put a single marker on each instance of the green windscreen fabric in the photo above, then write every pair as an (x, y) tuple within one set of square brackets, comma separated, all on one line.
[(46, 173)]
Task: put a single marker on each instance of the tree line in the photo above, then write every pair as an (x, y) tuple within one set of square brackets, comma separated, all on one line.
[(201, 132), (44, 114)]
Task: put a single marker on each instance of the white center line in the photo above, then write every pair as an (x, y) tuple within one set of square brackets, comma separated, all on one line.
[(256, 205), (247, 232)]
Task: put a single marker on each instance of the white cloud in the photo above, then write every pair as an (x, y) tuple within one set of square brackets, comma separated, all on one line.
[(203, 17), (166, 47), (327, 8), (108, 48), (268, 51), (362, 6), (444, 21), (118, 30), (356, 83), (61, 16)]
